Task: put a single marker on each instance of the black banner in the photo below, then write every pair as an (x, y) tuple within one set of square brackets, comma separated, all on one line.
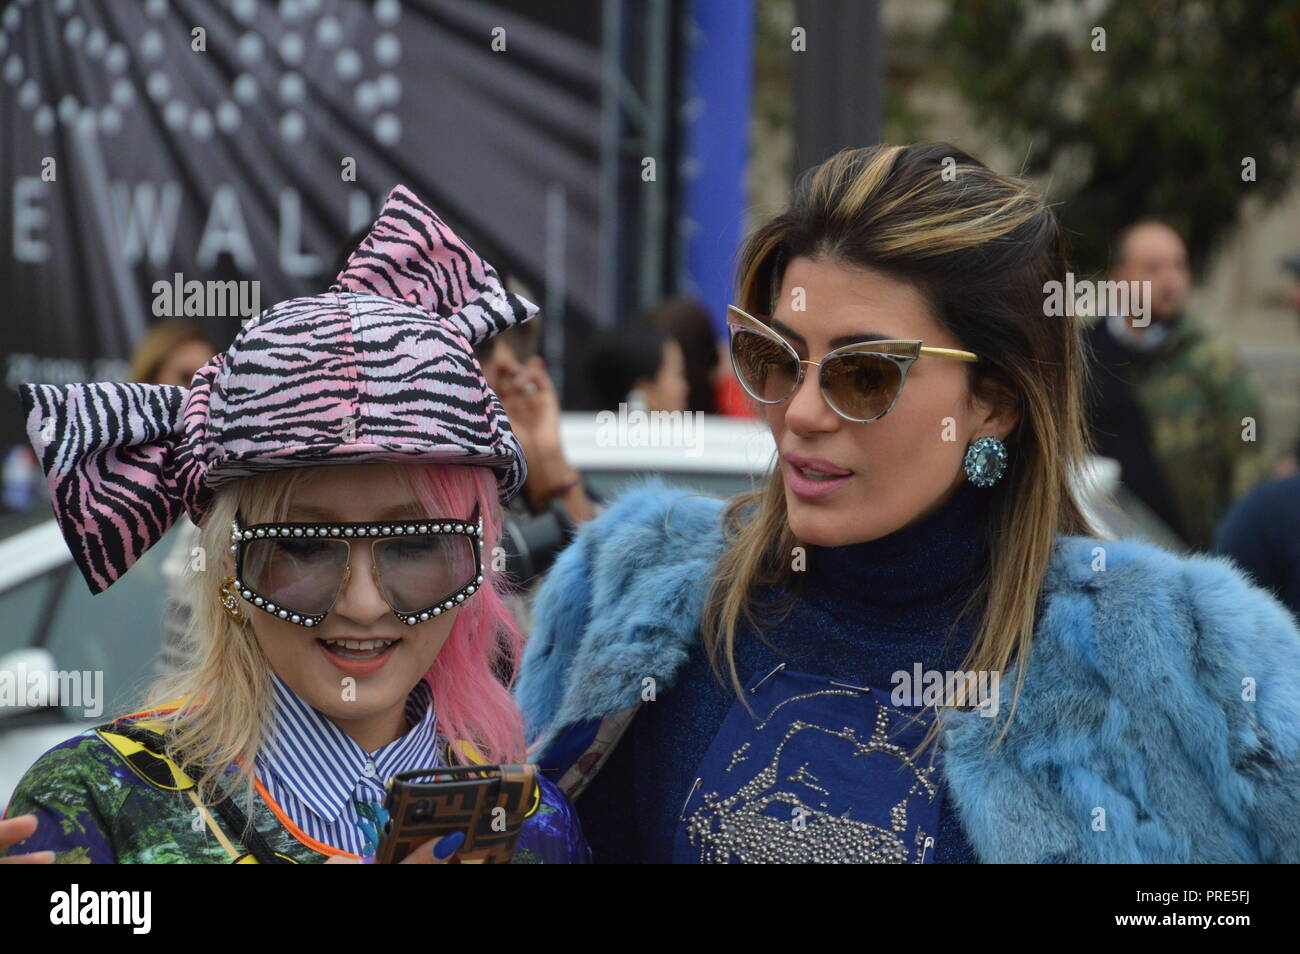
[(179, 141)]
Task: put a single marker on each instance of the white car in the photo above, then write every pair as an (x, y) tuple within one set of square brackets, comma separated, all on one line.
[(52, 623), (722, 455), (728, 455)]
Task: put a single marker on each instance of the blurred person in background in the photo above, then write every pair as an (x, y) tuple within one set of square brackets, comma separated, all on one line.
[(638, 365), (20, 474), (1171, 401), (1290, 464), (686, 321), (1259, 531), (1260, 534), (540, 521), (517, 373), (171, 352)]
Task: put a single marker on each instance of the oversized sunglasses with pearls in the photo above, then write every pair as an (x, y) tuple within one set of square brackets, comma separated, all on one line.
[(295, 571)]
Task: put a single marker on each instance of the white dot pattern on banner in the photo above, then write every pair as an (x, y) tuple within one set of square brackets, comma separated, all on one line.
[(228, 117), (151, 46), (123, 92), (390, 88), (249, 47), (307, 22), (117, 57), (96, 43), (68, 108), (388, 49), (201, 124), (367, 97), (110, 121), (245, 88), (158, 85), (174, 115), (292, 48), (388, 129), (292, 126), (328, 32), (293, 88), (348, 64)]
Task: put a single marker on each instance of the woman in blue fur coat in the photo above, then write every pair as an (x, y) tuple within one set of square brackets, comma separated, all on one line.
[(908, 644)]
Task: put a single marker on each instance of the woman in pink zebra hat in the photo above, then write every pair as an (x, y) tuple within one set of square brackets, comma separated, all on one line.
[(325, 664)]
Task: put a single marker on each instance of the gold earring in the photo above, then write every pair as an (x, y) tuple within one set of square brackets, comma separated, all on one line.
[(230, 599)]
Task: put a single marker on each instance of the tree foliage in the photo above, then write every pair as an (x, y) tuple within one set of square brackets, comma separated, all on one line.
[(1158, 124)]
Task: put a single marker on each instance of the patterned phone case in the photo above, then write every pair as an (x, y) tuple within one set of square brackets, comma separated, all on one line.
[(486, 802)]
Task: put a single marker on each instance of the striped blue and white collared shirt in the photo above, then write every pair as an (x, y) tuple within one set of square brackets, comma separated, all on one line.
[(327, 784)]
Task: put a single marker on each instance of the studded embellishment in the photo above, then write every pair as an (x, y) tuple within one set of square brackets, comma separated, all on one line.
[(349, 531), (832, 780)]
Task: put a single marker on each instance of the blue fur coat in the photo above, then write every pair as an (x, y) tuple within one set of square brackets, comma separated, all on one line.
[(1162, 693)]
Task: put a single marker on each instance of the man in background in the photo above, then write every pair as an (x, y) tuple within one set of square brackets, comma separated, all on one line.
[(1259, 532), (1169, 399)]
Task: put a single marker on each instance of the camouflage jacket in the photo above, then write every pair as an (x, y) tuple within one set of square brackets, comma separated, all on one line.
[(1202, 421)]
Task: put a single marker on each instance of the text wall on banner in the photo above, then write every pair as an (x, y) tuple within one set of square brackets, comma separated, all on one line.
[(202, 158)]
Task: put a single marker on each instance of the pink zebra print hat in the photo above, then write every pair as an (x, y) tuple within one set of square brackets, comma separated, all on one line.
[(381, 368)]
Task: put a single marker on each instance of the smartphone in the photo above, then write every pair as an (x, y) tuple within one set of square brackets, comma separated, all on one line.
[(487, 802)]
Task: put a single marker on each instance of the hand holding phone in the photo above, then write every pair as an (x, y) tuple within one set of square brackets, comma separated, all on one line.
[(488, 803)]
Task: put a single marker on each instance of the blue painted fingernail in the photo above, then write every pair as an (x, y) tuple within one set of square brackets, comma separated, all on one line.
[(447, 845)]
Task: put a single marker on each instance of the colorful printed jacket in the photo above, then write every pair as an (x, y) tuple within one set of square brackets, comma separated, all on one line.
[(103, 797)]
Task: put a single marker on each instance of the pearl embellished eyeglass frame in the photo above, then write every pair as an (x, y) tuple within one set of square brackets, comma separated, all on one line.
[(371, 532)]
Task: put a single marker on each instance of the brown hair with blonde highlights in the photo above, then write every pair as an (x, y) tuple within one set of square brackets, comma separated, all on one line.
[(979, 246)]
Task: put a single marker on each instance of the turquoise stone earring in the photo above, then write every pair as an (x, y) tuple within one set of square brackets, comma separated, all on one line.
[(986, 461)]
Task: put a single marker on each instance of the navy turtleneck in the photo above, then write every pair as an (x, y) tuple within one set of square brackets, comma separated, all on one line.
[(897, 596), (862, 612)]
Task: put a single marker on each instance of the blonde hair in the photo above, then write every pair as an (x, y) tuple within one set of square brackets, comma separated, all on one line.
[(979, 245)]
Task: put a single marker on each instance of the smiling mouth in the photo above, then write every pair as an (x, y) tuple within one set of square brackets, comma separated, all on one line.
[(358, 648)]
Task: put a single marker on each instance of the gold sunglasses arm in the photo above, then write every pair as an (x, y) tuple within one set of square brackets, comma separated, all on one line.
[(951, 354)]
